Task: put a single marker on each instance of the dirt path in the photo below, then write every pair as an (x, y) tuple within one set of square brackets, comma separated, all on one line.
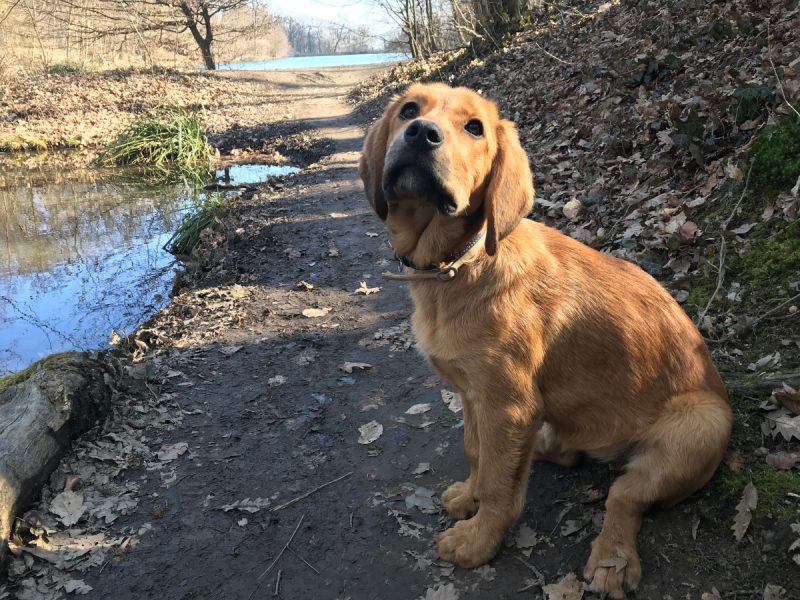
[(248, 400)]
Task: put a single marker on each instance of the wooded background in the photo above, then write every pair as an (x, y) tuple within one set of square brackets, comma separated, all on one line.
[(91, 34)]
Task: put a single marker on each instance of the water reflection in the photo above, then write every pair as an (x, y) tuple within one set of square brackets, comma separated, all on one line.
[(81, 256)]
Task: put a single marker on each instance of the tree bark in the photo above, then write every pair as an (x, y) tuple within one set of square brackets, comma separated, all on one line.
[(203, 42), (64, 396)]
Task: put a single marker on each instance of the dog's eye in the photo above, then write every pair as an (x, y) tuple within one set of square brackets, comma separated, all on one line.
[(409, 111), (474, 127)]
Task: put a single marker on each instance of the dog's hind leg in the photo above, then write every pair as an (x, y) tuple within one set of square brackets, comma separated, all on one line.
[(678, 455)]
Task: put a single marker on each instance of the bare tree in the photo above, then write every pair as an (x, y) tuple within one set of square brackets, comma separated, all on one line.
[(134, 17), (431, 25), (311, 39)]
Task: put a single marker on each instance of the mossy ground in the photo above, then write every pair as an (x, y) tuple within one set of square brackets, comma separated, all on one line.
[(767, 258), (773, 485), (28, 143), (54, 360)]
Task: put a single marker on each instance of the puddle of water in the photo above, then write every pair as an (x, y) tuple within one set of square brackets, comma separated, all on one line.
[(82, 257), (247, 174)]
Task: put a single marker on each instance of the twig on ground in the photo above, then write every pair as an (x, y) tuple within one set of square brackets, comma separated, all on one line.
[(307, 494), (278, 583), (772, 311), (277, 558), (533, 569), (767, 384), (553, 56), (308, 564), (777, 77), (738, 202), (750, 326), (720, 279)]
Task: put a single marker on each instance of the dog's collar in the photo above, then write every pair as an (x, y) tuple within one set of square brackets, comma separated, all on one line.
[(434, 271)]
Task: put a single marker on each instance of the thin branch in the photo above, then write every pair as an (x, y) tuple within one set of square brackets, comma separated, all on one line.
[(9, 10), (307, 494), (741, 197), (277, 558), (720, 278), (553, 56), (755, 321), (780, 86)]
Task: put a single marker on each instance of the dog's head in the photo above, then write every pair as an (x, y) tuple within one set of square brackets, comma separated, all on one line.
[(448, 147)]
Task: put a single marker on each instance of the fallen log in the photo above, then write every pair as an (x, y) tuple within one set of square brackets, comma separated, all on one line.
[(42, 409)]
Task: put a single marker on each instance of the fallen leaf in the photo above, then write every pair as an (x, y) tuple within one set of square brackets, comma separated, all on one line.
[(349, 366), (744, 511), (304, 285), (170, 452), (314, 313), (766, 362), (526, 539), (569, 588), (783, 460), (486, 573), (572, 209), (77, 586), (68, 506), (366, 291), (774, 592), (781, 422), (418, 409), (688, 231), (794, 549), (422, 498), (789, 398), (441, 592), (370, 432), (421, 468), (742, 229), (242, 522), (681, 296), (452, 400), (619, 562), (247, 505), (571, 526), (372, 234), (230, 350), (276, 381)]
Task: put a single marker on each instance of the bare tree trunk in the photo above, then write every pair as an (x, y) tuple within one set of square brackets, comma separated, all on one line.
[(203, 42)]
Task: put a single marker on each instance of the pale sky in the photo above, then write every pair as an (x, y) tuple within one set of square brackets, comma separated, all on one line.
[(352, 13)]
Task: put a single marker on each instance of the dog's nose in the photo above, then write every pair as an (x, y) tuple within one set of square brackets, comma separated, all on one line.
[(423, 135)]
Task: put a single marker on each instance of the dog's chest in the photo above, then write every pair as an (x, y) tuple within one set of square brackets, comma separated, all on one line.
[(440, 328)]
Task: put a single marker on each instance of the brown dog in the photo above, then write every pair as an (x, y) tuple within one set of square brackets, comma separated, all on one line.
[(555, 348)]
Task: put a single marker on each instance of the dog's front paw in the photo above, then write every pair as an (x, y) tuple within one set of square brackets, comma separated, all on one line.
[(459, 501), (468, 543), (613, 568)]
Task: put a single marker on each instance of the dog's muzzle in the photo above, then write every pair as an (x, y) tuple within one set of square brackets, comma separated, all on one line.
[(414, 169)]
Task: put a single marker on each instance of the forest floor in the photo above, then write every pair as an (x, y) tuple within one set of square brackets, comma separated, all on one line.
[(233, 468)]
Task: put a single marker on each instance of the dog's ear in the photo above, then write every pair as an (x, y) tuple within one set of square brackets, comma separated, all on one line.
[(370, 165), (509, 194)]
